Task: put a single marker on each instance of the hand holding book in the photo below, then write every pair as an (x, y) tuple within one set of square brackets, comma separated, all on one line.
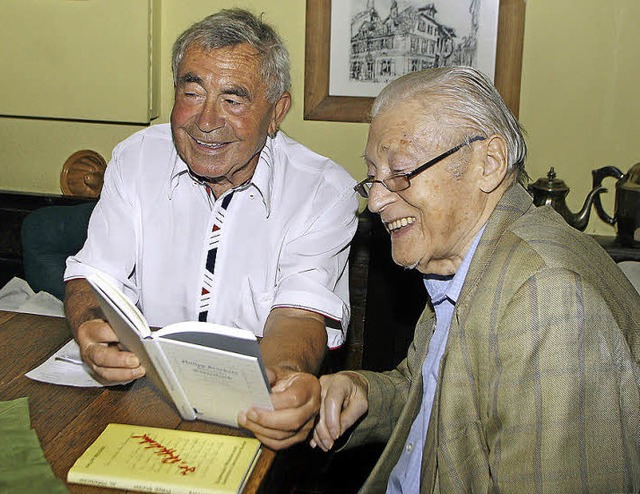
[(210, 372)]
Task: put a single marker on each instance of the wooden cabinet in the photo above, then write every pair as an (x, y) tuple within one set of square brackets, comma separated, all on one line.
[(80, 59)]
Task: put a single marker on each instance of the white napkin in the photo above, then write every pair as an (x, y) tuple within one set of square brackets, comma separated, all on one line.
[(17, 296)]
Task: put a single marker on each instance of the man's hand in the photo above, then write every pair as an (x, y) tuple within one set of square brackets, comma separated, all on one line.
[(100, 350), (344, 401), (293, 347), (99, 345), (296, 400)]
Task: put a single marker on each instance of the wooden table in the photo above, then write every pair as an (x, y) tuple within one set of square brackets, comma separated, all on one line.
[(67, 419)]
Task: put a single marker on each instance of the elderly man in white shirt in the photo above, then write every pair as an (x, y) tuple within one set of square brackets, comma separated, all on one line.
[(221, 217), (281, 245)]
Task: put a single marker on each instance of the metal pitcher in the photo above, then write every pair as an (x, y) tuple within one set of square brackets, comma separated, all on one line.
[(553, 191), (626, 217)]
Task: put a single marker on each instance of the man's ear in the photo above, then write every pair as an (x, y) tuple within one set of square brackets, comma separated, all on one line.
[(494, 164), (280, 110)]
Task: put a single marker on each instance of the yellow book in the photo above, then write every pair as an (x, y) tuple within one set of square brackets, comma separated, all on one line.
[(150, 459)]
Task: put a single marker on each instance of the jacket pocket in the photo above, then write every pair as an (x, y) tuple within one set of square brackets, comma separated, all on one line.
[(463, 460)]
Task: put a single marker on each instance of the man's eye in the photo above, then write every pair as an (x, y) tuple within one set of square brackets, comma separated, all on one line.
[(233, 102), (395, 173), (191, 95)]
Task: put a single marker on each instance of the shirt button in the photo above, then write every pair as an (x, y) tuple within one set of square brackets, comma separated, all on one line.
[(409, 447)]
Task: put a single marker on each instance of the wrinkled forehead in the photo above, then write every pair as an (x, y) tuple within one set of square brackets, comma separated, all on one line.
[(243, 53), (409, 127)]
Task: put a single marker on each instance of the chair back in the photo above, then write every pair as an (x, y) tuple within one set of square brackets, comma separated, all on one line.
[(49, 235)]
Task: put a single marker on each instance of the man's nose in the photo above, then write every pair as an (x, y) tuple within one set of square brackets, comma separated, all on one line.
[(210, 117), (379, 197)]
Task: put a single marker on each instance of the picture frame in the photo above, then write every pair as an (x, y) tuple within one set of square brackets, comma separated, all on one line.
[(320, 105)]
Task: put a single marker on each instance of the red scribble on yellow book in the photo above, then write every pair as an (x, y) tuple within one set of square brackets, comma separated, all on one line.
[(168, 455), (152, 459)]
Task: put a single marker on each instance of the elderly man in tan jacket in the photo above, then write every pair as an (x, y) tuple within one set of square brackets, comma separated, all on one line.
[(523, 373)]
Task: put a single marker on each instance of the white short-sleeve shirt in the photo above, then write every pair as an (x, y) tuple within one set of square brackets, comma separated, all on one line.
[(285, 240)]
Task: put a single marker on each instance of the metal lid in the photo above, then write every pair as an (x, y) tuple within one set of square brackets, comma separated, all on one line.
[(631, 179), (550, 183)]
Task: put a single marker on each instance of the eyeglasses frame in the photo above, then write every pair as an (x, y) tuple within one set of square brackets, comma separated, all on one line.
[(361, 187)]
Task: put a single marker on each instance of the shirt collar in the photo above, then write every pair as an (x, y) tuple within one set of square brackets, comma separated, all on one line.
[(441, 287), (262, 179), (179, 170)]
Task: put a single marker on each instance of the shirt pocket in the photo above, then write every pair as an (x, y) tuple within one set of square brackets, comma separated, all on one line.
[(253, 307)]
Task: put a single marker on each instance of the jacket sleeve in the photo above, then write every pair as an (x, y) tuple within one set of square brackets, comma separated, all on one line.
[(563, 402), (395, 396)]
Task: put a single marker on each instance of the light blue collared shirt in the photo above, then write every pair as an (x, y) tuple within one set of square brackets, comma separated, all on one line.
[(443, 292)]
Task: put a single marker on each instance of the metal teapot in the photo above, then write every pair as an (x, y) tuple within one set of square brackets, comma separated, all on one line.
[(626, 217), (553, 191)]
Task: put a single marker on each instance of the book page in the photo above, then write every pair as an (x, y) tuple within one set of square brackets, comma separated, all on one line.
[(234, 340), (207, 327), (140, 457), (218, 384)]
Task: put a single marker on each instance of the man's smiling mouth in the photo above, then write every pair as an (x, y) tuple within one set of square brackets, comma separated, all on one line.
[(210, 145), (395, 225)]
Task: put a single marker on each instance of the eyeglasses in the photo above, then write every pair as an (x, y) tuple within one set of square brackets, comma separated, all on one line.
[(402, 181)]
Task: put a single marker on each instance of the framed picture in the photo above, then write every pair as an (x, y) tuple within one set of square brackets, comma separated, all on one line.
[(374, 46)]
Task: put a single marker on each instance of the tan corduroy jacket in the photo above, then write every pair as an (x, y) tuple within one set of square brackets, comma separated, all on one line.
[(538, 390)]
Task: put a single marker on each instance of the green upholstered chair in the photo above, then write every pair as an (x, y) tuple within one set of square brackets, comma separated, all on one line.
[(50, 235)]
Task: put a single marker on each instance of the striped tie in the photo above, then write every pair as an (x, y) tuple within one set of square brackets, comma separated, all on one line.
[(214, 239)]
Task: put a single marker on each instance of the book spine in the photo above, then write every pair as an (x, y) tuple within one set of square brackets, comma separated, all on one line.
[(111, 483), (169, 379), (137, 485)]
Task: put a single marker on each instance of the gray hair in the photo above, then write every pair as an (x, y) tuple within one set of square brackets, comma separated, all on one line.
[(231, 27), (469, 99)]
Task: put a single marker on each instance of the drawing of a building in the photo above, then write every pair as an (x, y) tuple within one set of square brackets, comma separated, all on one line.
[(406, 41)]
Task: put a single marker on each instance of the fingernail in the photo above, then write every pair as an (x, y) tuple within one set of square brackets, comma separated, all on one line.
[(132, 361), (253, 416), (138, 372)]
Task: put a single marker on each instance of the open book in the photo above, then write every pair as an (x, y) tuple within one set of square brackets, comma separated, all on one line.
[(151, 459), (211, 372)]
